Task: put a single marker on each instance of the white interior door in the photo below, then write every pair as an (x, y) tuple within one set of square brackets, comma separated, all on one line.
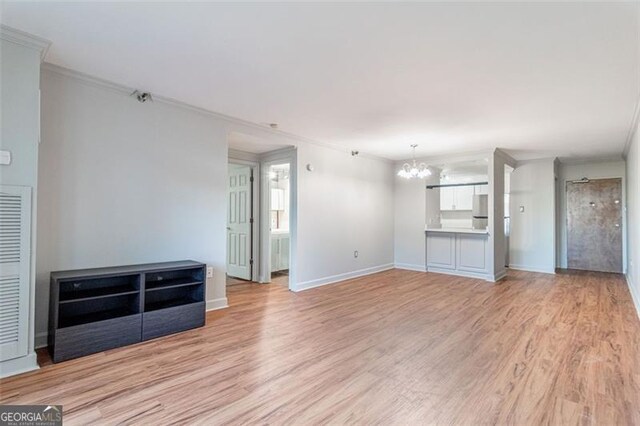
[(15, 258), (239, 222)]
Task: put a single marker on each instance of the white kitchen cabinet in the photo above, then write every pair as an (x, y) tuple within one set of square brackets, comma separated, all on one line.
[(284, 252), (463, 197), (471, 253), (446, 199), (279, 251), (456, 198), (441, 250), (275, 253), (458, 253), (481, 189)]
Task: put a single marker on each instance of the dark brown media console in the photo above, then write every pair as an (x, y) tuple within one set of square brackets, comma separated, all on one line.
[(92, 310)]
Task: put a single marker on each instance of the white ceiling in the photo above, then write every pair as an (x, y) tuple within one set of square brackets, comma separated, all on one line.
[(538, 79)]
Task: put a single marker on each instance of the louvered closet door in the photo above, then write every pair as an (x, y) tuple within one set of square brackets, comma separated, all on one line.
[(15, 243)]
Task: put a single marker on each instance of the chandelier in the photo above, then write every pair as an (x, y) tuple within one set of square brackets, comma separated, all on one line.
[(414, 170)]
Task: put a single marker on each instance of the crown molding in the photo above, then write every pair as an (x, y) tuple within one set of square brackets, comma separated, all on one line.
[(570, 161), (633, 128), (450, 157), (286, 152), (236, 154), (25, 39), (119, 88), (509, 160), (538, 160)]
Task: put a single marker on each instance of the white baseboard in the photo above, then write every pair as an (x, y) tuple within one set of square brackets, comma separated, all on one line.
[(20, 365), (341, 277), (411, 267), (634, 296), (532, 269), (215, 304), (457, 273)]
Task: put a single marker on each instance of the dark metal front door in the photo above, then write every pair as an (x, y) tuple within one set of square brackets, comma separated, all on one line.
[(594, 225)]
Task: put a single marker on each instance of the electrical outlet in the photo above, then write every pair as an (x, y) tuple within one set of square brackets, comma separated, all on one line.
[(355, 254), (209, 271), (5, 157)]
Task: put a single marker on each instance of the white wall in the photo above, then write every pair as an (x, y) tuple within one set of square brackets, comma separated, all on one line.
[(633, 219), (123, 182), (19, 134), (532, 240), (592, 170), (345, 204), (410, 218)]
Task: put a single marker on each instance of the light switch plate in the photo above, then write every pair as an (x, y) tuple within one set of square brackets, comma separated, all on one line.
[(209, 271), (5, 158)]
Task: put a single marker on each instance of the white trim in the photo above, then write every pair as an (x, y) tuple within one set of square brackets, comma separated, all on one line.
[(635, 119), (509, 160), (341, 277), (535, 160), (282, 154), (570, 161), (458, 273), (215, 304), (449, 158), (237, 155), (25, 39), (286, 155), (410, 267), (634, 297), (532, 269), (115, 87), (20, 365)]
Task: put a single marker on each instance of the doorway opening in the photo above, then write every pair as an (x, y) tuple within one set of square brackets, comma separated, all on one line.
[(279, 230), (261, 213)]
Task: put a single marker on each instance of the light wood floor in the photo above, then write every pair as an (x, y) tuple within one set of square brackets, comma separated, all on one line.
[(397, 347), (276, 278)]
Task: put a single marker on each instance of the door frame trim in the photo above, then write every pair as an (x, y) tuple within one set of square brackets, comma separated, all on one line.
[(287, 155), (255, 213)]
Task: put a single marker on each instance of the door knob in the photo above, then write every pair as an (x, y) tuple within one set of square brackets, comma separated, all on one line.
[(617, 225), (228, 228)]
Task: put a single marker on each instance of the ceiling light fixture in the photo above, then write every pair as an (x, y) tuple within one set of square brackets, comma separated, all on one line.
[(414, 170)]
